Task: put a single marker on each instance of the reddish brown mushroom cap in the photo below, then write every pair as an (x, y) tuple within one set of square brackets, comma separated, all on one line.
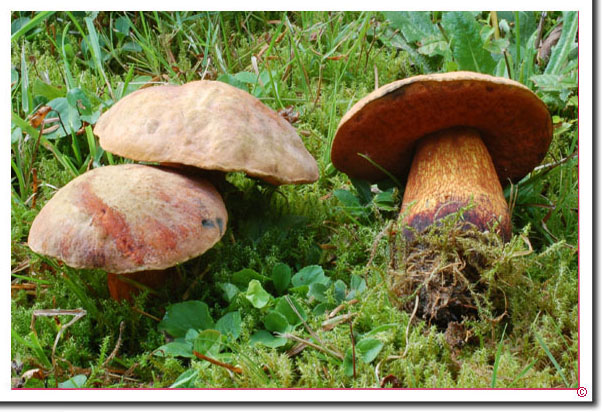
[(513, 122), (129, 218), (209, 125)]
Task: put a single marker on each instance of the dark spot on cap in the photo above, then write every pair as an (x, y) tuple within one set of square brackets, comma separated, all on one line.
[(220, 223), (397, 93), (207, 223), (151, 126)]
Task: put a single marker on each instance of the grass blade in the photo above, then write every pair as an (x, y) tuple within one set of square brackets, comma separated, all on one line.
[(561, 51), (498, 355), (96, 54), (382, 169), (522, 373), (552, 358), (26, 100), (68, 75), (38, 18)]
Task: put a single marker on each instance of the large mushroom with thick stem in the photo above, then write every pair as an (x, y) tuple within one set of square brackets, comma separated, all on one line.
[(453, 138), (134, 220)]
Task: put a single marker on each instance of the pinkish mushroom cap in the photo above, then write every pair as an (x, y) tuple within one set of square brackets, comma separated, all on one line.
[(210, 125), (129, 218)]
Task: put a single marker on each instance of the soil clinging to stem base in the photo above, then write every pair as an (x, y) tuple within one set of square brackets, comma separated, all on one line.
[(458, 275)]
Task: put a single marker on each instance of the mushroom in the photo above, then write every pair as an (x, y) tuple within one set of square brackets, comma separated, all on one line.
[(129, 219), (209, 125), (206, 125), (454, 138)]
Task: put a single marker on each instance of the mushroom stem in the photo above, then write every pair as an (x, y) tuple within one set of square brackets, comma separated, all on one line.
[(126, 286), (451, 170)]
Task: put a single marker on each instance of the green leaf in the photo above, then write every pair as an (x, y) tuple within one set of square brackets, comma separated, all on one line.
[(46, 90), (348, 199), (434, 45), (180, 317), (263, 337), (340, 290), (358, 285), (70, 121), (30, 24), (364, 192), (230, 324), (309, 275), (122, 26), (368, 349), (190, 336), (232, 81), (246, 77), (527, 21), (14, 78), (554, 82), (186, 379), (26, 98), (178, 348), (318, 291), (208, 343), (230, 291), (379, 329), (467, 44), (281, 277), (276, 322), (32, 342), (76, 382), (282, 306), (385, 200), (79, 101), (16, 24), (15, 135), (414, 25), (131, 47), (257, 295), (243, 277), (348, 363)]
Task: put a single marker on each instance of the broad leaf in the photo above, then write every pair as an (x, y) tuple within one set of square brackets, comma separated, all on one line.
[(230, 324), (281, 277), (179, 348), (467, 44), (186, 379), (368, 349), (309, 275), (70, 121), (276, 322), (78, 381), (180, 317), (78, 99), (263, 337), (282, 306), (208, 343), (257, 295), (243, 277), (414, 25)]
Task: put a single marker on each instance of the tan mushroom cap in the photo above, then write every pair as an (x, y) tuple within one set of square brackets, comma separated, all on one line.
[(129, 218), (210, 125), (514, 123)]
